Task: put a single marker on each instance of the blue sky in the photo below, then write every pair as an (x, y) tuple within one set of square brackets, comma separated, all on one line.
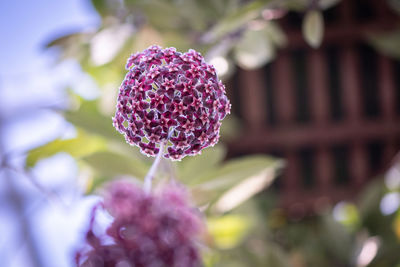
[(28, 74), (25, 26), (30, 79)]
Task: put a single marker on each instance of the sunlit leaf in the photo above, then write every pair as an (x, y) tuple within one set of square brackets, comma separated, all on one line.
[(192, 167), (88, 118), (244, 190), (229, 230), (313, 28), (79, 146), (146, 37), (275, 34), (73, 45), (112, 164), (235, 171), (211, 185), (106, 44), (254, 49)]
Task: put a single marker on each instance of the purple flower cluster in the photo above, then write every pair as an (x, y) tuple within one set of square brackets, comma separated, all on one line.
[(147, 231), (172, 98)]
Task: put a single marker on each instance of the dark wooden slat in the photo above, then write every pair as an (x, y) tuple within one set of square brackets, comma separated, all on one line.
[(358, 166), (387, 88), (253, 97), (317, 77), (324, 169), (350, 84), (316, 199), (291, 175), (284, 89), (299, 136)]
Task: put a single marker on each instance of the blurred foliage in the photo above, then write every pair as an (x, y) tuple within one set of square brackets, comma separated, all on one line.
[(252, 231), (387, 43)]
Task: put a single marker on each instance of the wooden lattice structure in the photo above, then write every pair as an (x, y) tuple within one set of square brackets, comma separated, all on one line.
[(332, 113)]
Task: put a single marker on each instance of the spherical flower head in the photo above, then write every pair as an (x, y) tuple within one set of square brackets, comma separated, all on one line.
[(157, 230), (171, 98)]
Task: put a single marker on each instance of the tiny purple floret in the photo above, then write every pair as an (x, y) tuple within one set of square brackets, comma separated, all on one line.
[(172, 98)]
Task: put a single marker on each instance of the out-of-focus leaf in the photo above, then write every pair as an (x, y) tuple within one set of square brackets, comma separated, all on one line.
[(235, 20), (88, 118), (65, 40), (313, 28), (324, 4), (106, 44), (111, 164), (212, 184), (275, 257), (254, 49), (230, 128), (395, 5), (101, 6), (275, 34), (72, 45), (162, 15), (79, 146), (192, 167), (235, 171), (348, 215), (229, 230), (370, 198), (146, 37), (387, 43), (244, 190), (336, 238)]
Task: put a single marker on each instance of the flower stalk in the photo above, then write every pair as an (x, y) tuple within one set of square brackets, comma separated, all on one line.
[(150, 175)]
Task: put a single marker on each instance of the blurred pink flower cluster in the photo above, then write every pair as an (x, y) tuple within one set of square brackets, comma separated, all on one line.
[(148, 230)]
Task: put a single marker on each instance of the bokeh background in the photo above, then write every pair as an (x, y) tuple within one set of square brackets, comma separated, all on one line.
[(305, 174)]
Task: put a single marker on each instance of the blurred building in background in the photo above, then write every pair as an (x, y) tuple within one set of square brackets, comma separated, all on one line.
[(333, 113)]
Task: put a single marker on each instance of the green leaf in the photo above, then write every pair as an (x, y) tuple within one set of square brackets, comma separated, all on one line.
[(112, 164), (369, 199), (192, 167), (275, 257), (213, 184), (275, 34), (162, 15), (313, 28), (254, 49), (229, 230), (387, 43), (88, 118), (335, 237), (235, 171), (77, 147), (235, 20)]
